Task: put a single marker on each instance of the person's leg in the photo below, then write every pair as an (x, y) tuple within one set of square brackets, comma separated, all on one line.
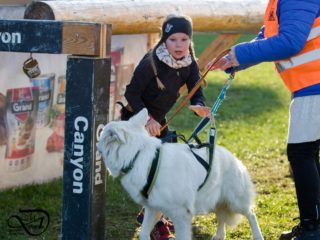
[(318, 158), (163, 229), (303, 155), (304, 158)]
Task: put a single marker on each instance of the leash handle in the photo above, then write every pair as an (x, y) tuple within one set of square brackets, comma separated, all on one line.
[(195, 88)]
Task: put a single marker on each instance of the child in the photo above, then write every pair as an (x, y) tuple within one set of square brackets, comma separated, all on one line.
[(156, 82), (160, 74)]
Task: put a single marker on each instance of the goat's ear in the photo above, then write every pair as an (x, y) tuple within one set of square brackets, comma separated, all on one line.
[(110, 134), (103, 133), (120, 134), (141, 118)]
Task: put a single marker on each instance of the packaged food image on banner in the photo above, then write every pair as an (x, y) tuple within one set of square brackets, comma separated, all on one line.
[(61, 93), (55, 142), (22, 107), (45, 83)]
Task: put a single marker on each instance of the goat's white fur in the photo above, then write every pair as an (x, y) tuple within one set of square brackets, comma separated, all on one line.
[(228, 192)]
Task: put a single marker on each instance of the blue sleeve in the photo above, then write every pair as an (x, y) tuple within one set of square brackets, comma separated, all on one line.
[(245, 66), (295, 21)]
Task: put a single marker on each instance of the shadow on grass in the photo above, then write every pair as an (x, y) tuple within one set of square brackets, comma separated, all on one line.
[(241, 102), (248, 102)]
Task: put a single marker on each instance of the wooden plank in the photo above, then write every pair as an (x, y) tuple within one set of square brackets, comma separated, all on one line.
[(86, 39), (47, 36), (224, 41), (105, 40), (145, 16)]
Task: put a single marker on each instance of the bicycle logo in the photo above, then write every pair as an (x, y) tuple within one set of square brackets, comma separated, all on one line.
[(33, 221)]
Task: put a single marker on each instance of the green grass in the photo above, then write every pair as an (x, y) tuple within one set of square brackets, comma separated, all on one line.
[(45, 196), (251, 122)]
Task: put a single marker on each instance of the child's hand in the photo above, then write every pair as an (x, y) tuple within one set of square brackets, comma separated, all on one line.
[(201, 111), (153, 127)]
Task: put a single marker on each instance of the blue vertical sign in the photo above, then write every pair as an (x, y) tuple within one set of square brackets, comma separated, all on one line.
[(87, 101)]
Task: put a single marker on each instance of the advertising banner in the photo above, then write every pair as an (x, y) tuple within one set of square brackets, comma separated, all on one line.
[(32, 140), (31, 118)]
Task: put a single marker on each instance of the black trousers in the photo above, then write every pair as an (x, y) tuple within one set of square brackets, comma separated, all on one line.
[(304, 161)]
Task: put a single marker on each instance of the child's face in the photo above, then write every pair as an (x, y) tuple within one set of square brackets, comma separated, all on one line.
[(178, 45)]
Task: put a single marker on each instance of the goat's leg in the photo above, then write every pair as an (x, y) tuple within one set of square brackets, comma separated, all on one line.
[(182, 221), (221, 229), (255, 229), (151, 217)]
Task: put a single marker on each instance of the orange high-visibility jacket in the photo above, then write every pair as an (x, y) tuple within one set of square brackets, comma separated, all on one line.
[(303, 69)]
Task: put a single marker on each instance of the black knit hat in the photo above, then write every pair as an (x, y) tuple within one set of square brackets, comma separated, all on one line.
[(176, 24)]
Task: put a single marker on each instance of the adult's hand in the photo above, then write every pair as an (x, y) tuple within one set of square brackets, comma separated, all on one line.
[(222, 64)]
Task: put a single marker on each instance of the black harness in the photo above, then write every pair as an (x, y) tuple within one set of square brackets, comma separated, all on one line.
[(127, 169), (156, 161), (151, 175), (210, 145)]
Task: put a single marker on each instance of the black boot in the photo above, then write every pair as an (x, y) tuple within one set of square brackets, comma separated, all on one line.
[(310, 232), (290, 234)]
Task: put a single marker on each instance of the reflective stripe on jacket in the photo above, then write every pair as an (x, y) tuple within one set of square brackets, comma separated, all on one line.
[(303, 69)]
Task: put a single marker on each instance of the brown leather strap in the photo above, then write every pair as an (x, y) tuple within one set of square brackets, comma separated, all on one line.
[(129, 108), (195, 88), (154, 68)]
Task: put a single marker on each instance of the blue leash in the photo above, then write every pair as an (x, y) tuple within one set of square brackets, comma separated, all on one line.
[(212, 132), (204, 121)]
